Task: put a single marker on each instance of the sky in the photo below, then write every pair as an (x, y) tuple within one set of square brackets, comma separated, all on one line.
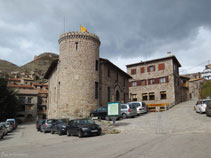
[(130, 30)]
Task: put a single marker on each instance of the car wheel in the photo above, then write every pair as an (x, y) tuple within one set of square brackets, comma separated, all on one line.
[(107, 118), (200, 111), (68, 133), (52, 132), (124, 116), (80, 135), (99, 133), (59, 133)]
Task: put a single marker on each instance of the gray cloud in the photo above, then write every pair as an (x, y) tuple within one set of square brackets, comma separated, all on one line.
[(127, 28)]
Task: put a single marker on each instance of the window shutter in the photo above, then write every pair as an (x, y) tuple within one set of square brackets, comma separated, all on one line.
[(142, 69), (139, 83), (148, 69), (161, 66), (149, 82), (133, 71), (130, 84), (154, 67), (167, 79), (156, 80)]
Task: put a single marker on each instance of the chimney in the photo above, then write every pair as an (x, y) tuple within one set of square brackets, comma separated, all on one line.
[(169, 53), (35, 57)]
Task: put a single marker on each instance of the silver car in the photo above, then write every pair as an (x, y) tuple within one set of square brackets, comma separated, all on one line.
[(140, 106), (128, 110), (1, 132)]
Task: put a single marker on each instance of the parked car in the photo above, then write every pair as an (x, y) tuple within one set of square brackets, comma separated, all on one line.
[(201, 105), (13, 122), (128, 110), (60, 126), (140, 106), (208, 108), (9, 126), (100, 112), (39, 123), (46, 125), (83, 127), (1, 132), (4, 128)]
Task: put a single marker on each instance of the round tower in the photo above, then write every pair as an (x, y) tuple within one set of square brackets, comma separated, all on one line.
[(78, 74)]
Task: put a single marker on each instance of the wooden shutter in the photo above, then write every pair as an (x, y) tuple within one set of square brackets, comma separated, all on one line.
[(130, 84), (142, 70), (161, 66), (133, 71), (148, 69), (139, 83), (167, 79)]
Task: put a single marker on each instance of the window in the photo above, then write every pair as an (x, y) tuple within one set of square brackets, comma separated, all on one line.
[(151, 68), (134, 84), (134, 97), (108, 89), (151, 81), (162, 80), (144, 96), (76, 45), (163, 95), (96, 65), (22, 100), (151, 96), (142, 70), (117, 76), (29, 100), (108, 72), (143, 82), (123, 106), (133, 71), (96, 90), (161, 66)]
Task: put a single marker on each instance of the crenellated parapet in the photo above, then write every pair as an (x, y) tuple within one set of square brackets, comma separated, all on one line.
[(79, 35)]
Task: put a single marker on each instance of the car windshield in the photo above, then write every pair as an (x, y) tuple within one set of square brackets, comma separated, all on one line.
[(63, 121), (50, 121), (206, 101), (132, 106), (85, 122)]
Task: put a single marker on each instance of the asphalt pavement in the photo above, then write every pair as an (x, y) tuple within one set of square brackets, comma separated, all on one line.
[(178, 132)]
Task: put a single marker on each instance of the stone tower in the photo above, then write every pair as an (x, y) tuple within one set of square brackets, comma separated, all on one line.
[(77, 81)]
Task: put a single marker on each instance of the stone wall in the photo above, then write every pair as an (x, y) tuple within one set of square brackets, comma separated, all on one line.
[(111, 81), (72, 85), (170, 71)]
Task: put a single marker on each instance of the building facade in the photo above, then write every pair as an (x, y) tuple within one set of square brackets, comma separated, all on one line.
[(113, 83), (76, 80), (155, 82)]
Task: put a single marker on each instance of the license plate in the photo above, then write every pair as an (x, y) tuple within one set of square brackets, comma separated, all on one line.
[(94, 130)]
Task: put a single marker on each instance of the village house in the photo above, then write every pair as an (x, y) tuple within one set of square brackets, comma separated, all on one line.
[(157, 82)]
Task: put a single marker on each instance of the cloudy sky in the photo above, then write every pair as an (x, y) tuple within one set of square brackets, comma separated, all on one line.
[(130, 30)]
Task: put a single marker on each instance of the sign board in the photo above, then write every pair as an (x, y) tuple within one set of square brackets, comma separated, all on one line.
[(113, 109), (206, 74)]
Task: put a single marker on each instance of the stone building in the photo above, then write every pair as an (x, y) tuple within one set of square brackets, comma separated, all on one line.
[(155, 82), (195, 83), (32, 96), (113, 83), (77, 80)]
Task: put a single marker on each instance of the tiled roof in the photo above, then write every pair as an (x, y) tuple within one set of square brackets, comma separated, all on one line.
[(20, 86)]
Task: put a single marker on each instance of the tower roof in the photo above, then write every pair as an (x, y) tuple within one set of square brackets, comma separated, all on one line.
[(82, 35)]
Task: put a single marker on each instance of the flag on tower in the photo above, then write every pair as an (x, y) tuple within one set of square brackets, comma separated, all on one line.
[(83, 29)]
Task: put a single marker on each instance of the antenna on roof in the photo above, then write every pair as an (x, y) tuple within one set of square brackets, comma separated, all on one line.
[(64, 24)]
